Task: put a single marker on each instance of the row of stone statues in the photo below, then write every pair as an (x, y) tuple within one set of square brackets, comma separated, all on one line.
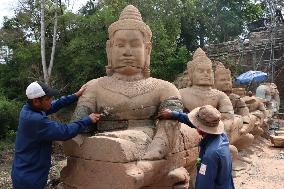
[(130, 148)]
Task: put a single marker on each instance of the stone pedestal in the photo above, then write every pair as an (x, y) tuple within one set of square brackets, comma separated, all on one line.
[(277, 141), (115, 160)]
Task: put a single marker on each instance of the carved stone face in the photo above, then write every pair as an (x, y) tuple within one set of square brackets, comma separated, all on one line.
[(273, 90), (223, 83), (128, 52), (202, 75)]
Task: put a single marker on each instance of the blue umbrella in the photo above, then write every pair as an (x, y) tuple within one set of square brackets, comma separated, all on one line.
[(251, 76)]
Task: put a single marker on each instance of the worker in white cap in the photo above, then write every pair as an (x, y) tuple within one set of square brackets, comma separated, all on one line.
[(32, 159)]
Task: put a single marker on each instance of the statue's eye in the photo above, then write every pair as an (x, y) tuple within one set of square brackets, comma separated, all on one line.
[(120, 45), (135, 43), (199, 70)]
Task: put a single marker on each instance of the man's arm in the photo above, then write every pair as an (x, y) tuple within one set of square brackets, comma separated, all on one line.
[(61, 102), (183, 118), (177, 115), (52, 130), (65, 101)]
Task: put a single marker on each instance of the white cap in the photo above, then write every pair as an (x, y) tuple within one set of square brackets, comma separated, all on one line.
[(38, 89)]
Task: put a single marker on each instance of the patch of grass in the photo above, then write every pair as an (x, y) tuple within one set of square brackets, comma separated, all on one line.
[(6, 157), (8, 143)]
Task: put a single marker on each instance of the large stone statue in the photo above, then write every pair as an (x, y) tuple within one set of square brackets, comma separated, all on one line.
[(200, 92), (130, 149), (223, 82)]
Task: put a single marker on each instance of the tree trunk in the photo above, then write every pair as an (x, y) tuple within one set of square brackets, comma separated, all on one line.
[(42, 42), (53, 40), (201, 35)]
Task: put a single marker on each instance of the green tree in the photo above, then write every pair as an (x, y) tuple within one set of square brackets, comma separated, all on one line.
[(178, 27), (207, 21), (9, 111)]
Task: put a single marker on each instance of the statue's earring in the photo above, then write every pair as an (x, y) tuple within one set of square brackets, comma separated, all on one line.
[(146, 72), (109, 70)]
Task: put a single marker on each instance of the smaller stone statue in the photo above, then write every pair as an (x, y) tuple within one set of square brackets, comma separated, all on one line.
[(223, 82), (200, 92)]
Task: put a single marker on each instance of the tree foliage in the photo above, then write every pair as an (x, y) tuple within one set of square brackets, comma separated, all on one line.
[(9, 111), (207, 21), (178, 27)]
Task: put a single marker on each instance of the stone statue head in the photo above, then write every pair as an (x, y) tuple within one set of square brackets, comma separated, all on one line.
[(223, 80), (200, 69), (129, 45), (274, 90)]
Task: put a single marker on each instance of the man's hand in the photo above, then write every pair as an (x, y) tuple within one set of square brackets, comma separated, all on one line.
[(81, 90), (164, 114), (95, 117)]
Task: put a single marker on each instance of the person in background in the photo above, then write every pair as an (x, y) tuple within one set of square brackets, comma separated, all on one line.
[(250, 94), (33, 146), (278, 13), (214, 164)]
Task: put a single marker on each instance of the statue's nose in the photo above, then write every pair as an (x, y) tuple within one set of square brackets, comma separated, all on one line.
[(127, 51), (206, 73)]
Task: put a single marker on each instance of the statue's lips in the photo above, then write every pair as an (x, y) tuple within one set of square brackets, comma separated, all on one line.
[(128, 61), (205, 78), (125, 66)]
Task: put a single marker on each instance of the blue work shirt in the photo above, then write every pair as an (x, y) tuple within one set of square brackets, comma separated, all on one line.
[(35, 134), (183, 118), (215, 169)]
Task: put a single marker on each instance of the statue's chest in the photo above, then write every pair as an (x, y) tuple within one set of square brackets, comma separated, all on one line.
[(194, 99), (129, 89), (141, 106)]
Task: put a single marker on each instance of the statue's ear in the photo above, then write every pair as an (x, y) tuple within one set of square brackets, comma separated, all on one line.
[(109, 70), (148, 48), (108, 51)]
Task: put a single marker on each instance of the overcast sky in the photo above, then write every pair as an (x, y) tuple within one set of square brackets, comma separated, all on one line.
[(7, 7)]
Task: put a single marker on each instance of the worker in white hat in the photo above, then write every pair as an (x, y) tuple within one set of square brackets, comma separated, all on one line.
[(32, 159)]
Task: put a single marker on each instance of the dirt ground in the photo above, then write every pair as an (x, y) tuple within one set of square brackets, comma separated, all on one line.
[(266, 170), (6, 156)]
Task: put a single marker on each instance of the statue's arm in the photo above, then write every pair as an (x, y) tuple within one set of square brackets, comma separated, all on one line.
[(172, 103), (86, 104), (81, 111), (225, 106), (242, 107), (170, 98)]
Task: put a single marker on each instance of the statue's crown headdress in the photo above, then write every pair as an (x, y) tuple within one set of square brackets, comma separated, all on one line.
[(130, 19), (220, 69)]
